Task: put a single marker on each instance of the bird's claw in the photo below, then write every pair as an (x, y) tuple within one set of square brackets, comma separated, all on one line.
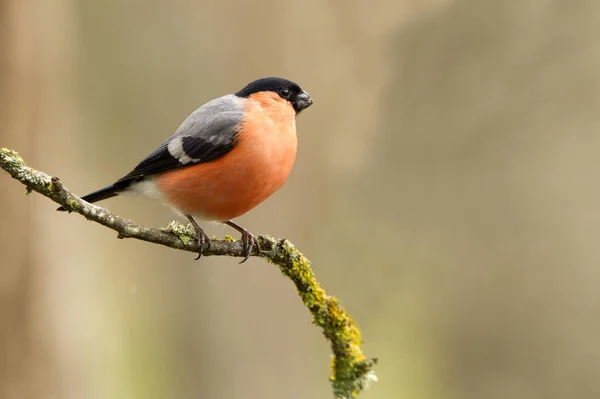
[(248, 243), (248, 240), (201, 239)]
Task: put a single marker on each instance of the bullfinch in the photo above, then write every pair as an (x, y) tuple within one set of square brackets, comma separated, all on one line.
[(227, 157)]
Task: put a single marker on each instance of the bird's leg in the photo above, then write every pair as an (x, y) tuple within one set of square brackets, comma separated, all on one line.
[(248, 240), (201, 237)]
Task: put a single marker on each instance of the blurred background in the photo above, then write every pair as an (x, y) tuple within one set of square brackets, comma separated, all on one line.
[(446, 190)]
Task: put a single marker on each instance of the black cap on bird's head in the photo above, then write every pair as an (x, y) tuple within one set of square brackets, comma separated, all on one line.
[(286, 89)]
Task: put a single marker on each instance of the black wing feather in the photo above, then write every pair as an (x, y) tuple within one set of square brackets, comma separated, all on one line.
[(161, 159), (200, 140), (207, 134)]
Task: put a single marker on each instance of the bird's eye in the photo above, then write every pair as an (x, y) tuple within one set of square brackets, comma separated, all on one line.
[(285, 93)]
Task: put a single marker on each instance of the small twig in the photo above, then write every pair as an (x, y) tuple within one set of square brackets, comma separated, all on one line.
[(351, 371)]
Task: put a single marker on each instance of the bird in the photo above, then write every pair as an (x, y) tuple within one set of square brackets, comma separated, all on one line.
[(227, 157)]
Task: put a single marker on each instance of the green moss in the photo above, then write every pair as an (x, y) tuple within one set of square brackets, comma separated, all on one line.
[(12, 156), (185, 232), (229, 238), (350, 370)]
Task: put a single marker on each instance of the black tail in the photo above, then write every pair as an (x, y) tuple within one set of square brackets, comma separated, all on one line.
[(103, 193)]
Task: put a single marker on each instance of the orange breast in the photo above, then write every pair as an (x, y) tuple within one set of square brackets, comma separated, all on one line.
[(258, 166)]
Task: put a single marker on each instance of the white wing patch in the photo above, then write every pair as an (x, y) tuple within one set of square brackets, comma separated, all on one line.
[(214, 139), (175, 148)]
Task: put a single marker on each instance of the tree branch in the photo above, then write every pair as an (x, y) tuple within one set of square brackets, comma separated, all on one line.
[(351, 371)]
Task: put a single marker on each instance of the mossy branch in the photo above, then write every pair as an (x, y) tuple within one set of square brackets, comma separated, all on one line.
[(351, 371)]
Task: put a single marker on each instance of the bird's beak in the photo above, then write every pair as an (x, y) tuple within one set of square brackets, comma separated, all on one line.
[(302, 101)]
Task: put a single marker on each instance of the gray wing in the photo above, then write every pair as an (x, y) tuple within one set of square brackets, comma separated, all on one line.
[(207, 134)]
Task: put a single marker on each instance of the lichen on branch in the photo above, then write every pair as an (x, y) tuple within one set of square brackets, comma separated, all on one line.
[(351, 371)]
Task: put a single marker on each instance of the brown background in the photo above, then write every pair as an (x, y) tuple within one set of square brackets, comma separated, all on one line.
[(446, 189)]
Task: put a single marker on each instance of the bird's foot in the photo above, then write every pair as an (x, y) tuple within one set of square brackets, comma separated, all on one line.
[(201, 237), (248, 240)]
